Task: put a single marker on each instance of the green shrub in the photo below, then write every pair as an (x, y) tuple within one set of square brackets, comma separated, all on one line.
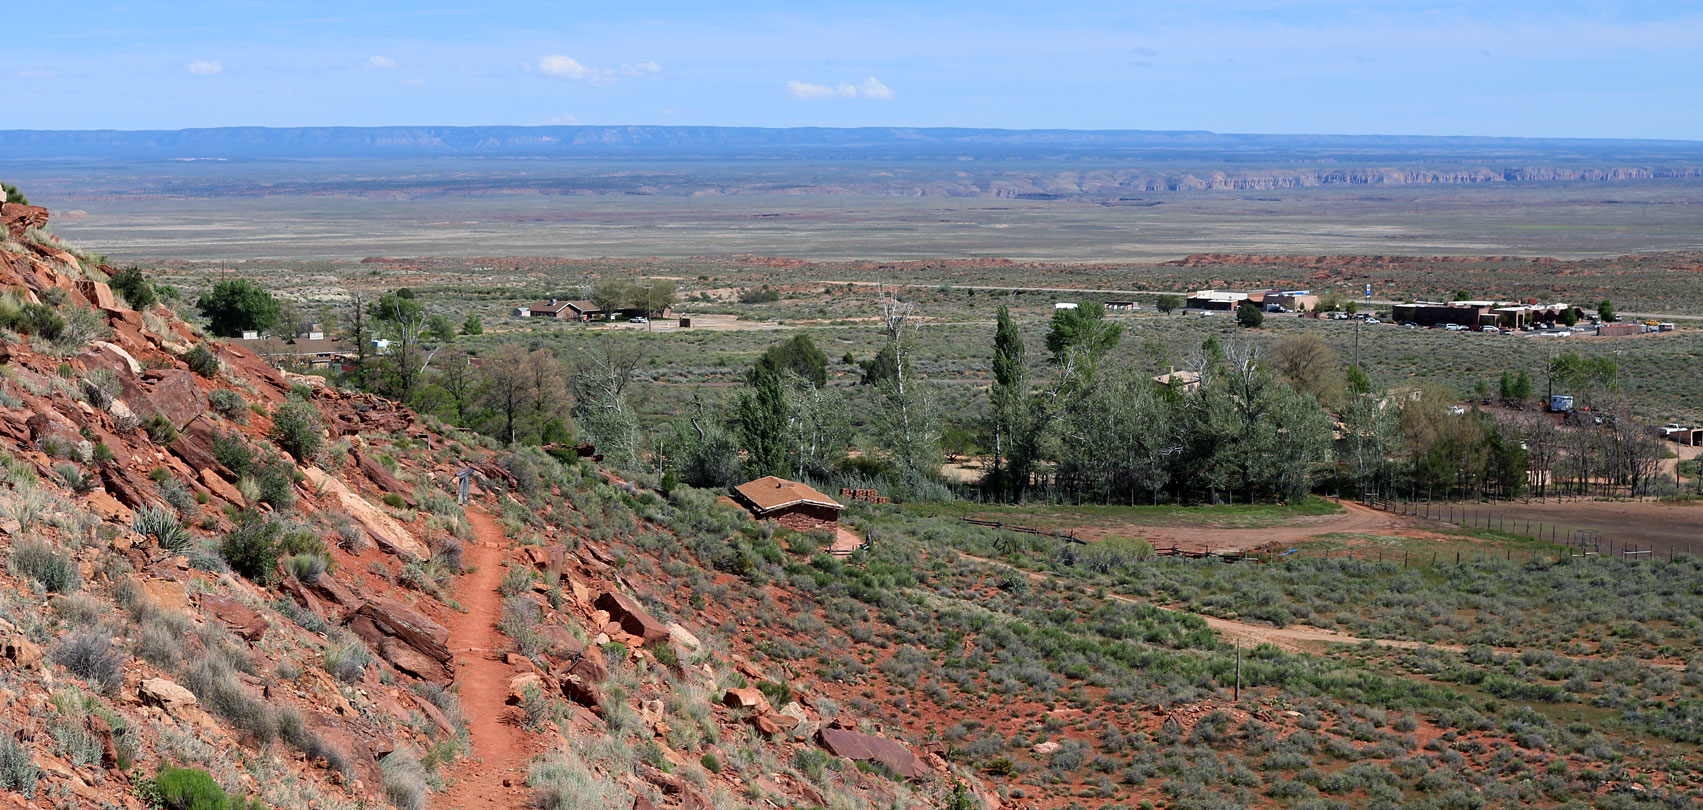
[(306, 567), (160, 429), (710, 763), (189, 789), (30, 318), (394, 500), (232, 451), (137, 291), (276, 479), (201, 361), (177, 495), (297, 429), (252, 547), (346, 658), (229, 404), (18, 773), (40, 562)]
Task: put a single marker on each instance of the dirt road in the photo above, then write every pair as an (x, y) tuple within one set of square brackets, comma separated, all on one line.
[(501, 749), (1354, 518)]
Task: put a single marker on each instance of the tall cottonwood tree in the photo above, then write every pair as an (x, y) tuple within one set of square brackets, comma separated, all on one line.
[(761, 415), (601, 374), (1009, 417), (904, 419)]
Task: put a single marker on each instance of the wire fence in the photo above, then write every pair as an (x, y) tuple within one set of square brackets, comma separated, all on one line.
[(1580, 542)]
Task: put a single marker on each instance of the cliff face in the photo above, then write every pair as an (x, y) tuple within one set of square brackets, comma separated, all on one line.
[(215, 565)]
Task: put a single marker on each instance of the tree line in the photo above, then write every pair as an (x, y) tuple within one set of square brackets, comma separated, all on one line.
[(1241, 421)]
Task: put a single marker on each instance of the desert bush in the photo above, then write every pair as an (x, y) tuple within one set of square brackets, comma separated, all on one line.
[(177, 495), (82, 324), (53, 570), (135, 288), (219, 689), (405, 781), (306, 567), (90, 654), (252, 546), (346, 658), (191, 789), (160, 429), (229, 404), (519, 621), (30, 318), (275, 481), (296, 428), (565, 782), (201, 361), (18, 772)]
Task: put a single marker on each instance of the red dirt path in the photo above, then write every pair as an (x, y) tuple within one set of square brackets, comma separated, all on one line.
[(501, 749)]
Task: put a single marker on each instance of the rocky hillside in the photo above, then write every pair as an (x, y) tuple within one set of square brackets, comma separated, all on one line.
[(228, 579)]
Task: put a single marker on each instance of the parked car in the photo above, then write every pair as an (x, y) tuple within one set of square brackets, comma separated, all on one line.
[(641, 320), (1454, 327)]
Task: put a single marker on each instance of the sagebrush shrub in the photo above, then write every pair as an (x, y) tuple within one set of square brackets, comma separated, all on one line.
[(252, 547), (201, 361), (90, 654), (18, 773), (41, 562), (229, 404), (296, 428)]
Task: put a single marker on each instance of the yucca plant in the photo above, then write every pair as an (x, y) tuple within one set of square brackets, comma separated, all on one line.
[(162, 525)]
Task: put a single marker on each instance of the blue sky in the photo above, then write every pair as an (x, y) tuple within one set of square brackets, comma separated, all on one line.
[(1563, 68)]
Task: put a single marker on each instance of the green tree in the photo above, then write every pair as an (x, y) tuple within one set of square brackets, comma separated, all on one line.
[(1569, 315), (398, 308), (611, 294), (472, 326), (1009, 423), (1605, 311), (1249, 316), (703, 452), (1169, 303), (1357, 380), (799, 356), (1583, 377), (1522, 391), (13, 195), (135, 287), (762, 420), (960, 799), (236, 305), (441, 328), (1084, 328)]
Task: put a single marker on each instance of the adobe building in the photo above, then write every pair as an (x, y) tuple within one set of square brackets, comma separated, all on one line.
[(796, 506)]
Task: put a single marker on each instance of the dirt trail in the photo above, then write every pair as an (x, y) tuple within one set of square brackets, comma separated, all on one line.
[(501, 749)]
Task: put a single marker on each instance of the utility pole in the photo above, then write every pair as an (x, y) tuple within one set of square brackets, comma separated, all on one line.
[(648, 313), (1238, 693)]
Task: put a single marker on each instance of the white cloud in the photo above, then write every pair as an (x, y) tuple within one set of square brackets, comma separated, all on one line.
[(381, 62), (568, 68), (868, 88), (873, 88), (205, 67), (43, 73)]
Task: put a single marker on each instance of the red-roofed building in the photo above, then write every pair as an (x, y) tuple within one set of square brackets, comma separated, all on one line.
[(796, 506)]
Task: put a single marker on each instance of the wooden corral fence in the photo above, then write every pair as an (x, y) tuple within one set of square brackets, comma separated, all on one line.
[(994, 524)]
